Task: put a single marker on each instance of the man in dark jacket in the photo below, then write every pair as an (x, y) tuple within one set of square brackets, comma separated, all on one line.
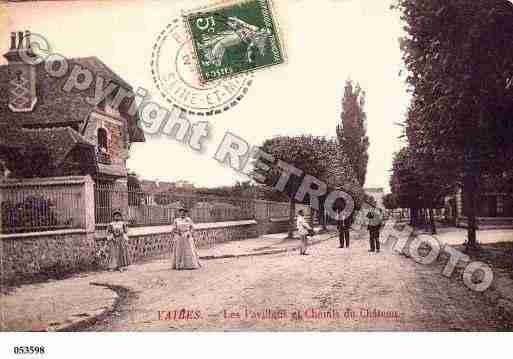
[(343, 226), (375, 218)]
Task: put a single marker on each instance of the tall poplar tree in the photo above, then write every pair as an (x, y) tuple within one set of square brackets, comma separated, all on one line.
[(352, 131)]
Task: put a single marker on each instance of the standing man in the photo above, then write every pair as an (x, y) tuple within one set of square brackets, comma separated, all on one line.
[(302, 227), (375, 223), (344, 225)]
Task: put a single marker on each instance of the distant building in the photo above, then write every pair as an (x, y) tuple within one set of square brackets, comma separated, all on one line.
[(184, 185), (494, 204), (155, 192)]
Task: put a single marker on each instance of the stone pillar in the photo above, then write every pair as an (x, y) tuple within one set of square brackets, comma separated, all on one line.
[(262, 215), (89, 205)]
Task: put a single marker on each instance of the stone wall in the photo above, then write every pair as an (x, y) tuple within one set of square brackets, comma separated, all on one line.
[(273, 225), (210, 234), (45, 254), (148, 242), (53, 254)]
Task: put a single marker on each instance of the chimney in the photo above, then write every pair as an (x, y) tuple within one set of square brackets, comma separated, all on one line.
[(20, 40), (13, 41), (20, 48), (27, 37), (22, 73)]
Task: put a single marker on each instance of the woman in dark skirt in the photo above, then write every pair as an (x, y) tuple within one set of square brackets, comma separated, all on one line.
[(118, 240)]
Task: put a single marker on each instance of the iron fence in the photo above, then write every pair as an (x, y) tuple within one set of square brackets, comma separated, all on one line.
[(46, 205), (270, 209), (40, 207), (151, 208)]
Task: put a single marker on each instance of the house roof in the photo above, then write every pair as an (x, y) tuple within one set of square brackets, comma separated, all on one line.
[(110, 170), (58, 141), (56, 107)]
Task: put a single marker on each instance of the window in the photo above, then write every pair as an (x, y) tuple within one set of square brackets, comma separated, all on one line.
[(4, 171), (106, 105), (101, 106), (102, 139)]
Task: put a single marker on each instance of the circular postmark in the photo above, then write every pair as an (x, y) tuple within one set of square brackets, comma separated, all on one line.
[(174, 73)]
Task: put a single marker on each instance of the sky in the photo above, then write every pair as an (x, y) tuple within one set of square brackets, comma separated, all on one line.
[(326, 42)]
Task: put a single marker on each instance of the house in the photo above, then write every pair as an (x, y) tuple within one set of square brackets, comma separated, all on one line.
[(494, 204), (155, 192), (48, 129)]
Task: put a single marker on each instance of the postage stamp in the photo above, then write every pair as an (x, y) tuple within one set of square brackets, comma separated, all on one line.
[(174, 75), (234, 38)]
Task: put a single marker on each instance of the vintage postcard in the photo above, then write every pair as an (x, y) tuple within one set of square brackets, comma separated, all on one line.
[(254, 166)]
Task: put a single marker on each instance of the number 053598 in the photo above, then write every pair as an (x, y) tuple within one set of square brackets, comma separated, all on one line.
[(29, 349)]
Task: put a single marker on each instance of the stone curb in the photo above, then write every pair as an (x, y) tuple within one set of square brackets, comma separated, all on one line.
[(94, 316), (263, 253), (75, 325)]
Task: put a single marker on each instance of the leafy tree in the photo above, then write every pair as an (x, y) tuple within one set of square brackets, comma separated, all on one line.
[(338, 175), (460, 63), (418, 184), (244, 189), (294, 151), (404, 183), (390, 201), (315, 156), (351, 133)]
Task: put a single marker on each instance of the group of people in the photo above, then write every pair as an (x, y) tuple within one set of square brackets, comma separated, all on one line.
[(184, 254), (374, 225)]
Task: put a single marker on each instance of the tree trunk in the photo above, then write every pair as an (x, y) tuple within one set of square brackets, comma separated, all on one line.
[(469, 192), (470, 188), (432, 221), (292, 217)]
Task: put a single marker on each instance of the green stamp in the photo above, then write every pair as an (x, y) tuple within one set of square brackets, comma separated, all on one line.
[(232, 39)]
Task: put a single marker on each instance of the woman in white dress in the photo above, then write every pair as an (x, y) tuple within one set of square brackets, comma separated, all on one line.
[(184, 250)]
